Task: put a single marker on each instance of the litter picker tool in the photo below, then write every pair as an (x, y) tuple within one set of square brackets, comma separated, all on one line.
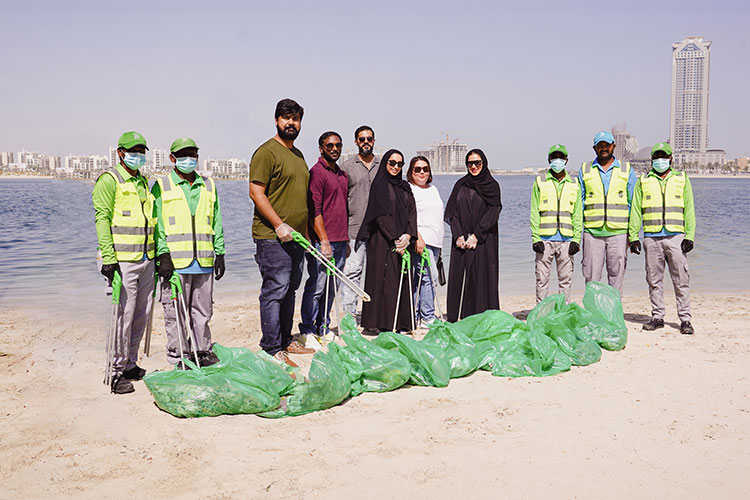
[(461, 302), (435, 293), (426, 261), (112, 339), (178, 298), (147, 336), (304, 243), (330, 280), (405, 270)]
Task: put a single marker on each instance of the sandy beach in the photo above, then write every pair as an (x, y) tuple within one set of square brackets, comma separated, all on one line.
[(668, 417)]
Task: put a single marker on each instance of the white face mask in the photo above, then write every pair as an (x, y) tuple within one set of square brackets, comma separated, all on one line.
[(558, 164), (186, 164), (660, 165), (134, 160)]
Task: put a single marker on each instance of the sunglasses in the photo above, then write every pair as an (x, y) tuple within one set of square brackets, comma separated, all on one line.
[(366, 139), (419, 170), (474, 163), (332, 145), (394, 163)]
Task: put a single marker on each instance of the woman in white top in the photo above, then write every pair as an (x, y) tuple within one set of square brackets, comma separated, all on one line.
[(430, 232)]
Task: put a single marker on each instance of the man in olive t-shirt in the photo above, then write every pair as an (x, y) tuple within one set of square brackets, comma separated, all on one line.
[(278, 188)]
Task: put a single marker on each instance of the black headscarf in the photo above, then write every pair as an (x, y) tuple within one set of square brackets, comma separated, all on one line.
[(379, 202), (485, 186)]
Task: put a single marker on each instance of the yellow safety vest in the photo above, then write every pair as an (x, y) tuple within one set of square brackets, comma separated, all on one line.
[(611, 210), (556, 213), (663, 208), (189, 236), (133, 222)]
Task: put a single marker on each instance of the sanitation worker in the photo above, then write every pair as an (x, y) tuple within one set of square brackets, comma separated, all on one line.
[(125, 223), (663, 202), (189, 240)]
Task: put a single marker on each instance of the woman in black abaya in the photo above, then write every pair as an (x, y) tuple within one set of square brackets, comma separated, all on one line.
[(390, 224), (472, 212)]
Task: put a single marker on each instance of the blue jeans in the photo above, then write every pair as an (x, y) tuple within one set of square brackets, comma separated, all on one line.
[(280, 267), (424, 305), (314, 319)]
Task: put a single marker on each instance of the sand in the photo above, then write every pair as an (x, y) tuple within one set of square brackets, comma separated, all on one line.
[(668, 417)]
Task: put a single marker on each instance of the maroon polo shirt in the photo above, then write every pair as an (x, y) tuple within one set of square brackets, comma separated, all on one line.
[(327, 195)]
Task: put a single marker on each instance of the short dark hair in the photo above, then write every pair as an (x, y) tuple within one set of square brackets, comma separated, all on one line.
[(362, 128), (289, 107), (410, 172), (326, 135)]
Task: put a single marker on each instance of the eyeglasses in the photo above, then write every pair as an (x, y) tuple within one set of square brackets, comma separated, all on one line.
[(419, 170), (365, 139), (474, 163), (394, 163), (332, 145)]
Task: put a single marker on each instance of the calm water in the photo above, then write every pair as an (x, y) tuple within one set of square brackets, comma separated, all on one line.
[(48, 242)]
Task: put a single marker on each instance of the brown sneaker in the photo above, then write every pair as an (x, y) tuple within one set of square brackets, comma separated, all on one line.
[(296, 348), (283, 356)]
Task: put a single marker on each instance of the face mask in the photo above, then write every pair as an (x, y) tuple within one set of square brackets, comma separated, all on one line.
[(558, 164), (660, 165), (134, 160), (186, 164)]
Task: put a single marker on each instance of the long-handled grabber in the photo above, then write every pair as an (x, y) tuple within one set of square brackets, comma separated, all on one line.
[(112, 340), (336, 300), (330, 281), (149, 325), (426, 261), (435, 293), (461, 302), (302, 241), (178, 299), (405, 269)]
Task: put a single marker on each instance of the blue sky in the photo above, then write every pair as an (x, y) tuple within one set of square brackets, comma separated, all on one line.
[(510, 78)]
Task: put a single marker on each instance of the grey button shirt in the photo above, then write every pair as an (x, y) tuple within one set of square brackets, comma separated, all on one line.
[(360, 180)]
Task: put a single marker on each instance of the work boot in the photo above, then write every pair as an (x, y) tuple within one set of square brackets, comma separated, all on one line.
[(207, 358), (120, 385), (283, 357), (654, 324), (686, 328), (296, 348), (135, 373)]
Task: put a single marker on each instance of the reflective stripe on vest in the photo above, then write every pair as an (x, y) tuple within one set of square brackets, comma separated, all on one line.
[(556, 213), (133, 222), (188, 237), (663, 209), (612, 210)]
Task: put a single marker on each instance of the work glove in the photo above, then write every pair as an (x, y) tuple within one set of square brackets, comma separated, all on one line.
[(573, 248), (460, 242), (108, 270), (538, 247), (471, 242), (686, 245), (219, 267), (635, 247), (284, 232), (402, 243), (325, 249), (166, 268)]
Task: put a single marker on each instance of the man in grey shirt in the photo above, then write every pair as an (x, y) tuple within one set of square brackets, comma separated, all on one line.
[(361, 170)]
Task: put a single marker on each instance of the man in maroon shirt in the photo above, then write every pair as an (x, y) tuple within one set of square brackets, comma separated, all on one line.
[(327, 199)]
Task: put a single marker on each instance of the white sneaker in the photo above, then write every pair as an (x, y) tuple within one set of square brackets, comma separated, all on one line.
[(312, 341)]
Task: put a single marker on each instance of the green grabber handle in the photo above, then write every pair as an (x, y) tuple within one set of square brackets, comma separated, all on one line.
[(426, 261), (405, 261), (176, 285), (116, 288), (296, 236), (328, 270)]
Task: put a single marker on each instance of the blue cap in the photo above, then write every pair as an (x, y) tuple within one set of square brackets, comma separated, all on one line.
[(603, 136)]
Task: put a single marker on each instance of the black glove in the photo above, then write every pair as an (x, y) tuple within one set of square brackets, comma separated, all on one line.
[(108, 270), (574, 248), (686, 245), (219, 267), (166, 268), (538, 247), (635, 247)]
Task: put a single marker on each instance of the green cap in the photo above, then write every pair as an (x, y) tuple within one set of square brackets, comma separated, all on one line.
[(661, 146), (130, 139), (558, 148), (182, 143)]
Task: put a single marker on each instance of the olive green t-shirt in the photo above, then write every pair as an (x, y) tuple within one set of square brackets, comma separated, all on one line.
[(284, 173)]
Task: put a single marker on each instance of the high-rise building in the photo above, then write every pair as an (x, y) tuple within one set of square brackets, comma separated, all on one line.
[(159, 159), (446, 156), (688, 123), (627, 144), (6, 158), (114, 158)]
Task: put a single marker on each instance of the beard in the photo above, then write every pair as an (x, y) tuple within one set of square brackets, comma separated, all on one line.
[(365, 150), (289, 133), (330, 158)]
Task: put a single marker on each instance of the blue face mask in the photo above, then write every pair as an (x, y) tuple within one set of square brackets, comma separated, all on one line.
[(558, 164), (661, 165), (186, 164), (134, 160)]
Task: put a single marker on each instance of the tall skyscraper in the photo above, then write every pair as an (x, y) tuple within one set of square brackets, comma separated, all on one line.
[(688, 124)]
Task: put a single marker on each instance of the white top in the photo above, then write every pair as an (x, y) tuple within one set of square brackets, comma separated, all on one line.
[(429, 215)]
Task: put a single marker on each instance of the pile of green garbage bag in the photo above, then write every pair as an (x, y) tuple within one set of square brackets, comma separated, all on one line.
[(554, 337)]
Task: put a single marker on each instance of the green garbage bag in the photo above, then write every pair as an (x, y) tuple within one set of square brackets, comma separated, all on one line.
[(458, 349), (428, 365), (328, 386), (239, 383), (607, 323), (492, 324), (528, 352)]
